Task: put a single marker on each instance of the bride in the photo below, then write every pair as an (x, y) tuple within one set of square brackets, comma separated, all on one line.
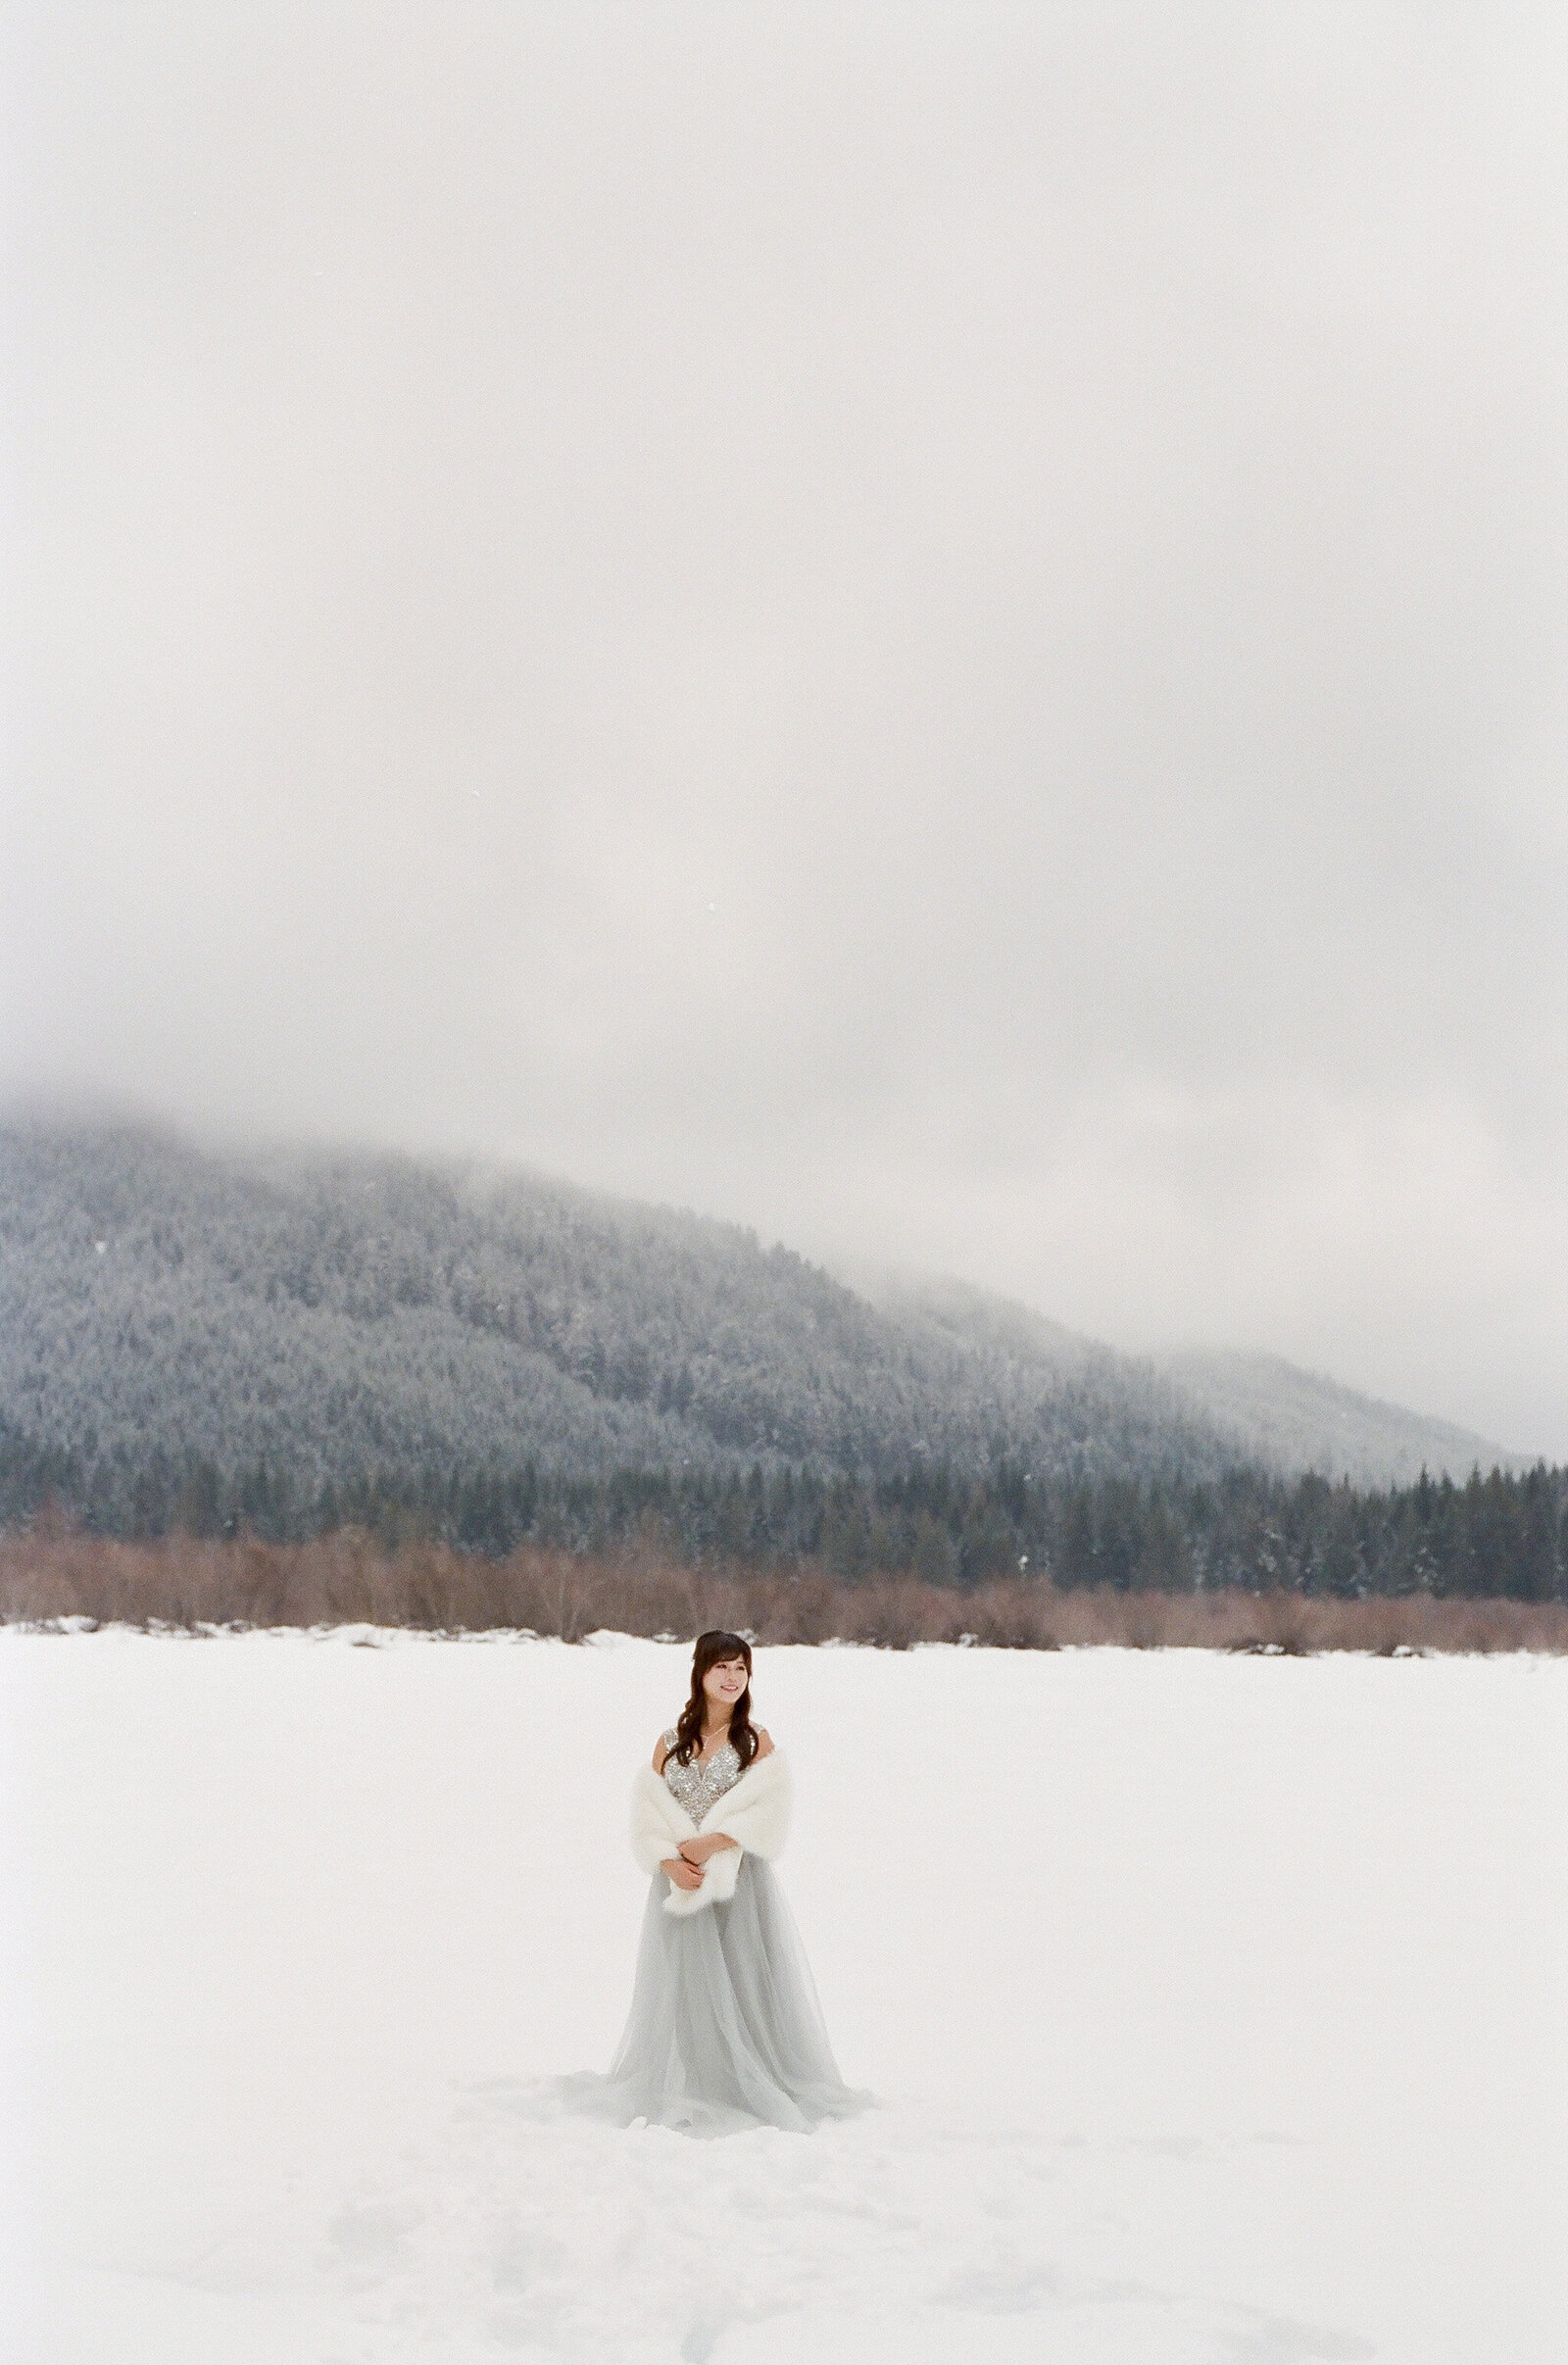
[(725, 2030)]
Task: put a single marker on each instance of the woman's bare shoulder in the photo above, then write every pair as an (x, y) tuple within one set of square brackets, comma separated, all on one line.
[(661, 1753), (765, 1742)]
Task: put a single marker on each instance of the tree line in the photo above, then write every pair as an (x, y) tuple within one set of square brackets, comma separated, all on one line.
[(1499, 1533)]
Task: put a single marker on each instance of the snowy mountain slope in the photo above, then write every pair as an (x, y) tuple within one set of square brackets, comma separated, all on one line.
[(1271, 1411), (1300, 1420), (355, 1311), (343, 1313)]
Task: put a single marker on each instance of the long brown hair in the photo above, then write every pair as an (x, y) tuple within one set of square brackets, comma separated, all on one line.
[(710, 1649)]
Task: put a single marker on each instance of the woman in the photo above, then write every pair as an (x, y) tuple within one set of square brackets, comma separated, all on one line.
[(725, 2030)]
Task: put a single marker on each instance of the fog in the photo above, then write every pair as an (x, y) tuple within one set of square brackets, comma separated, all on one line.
[(938, 628)]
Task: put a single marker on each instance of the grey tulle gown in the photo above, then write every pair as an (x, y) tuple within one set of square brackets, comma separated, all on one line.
[(725, 2031)]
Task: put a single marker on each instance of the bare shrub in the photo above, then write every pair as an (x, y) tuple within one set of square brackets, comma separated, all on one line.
[(1010, 1616), (57, 1573), (1145, 1620), (893, 1612), (802, 1612)]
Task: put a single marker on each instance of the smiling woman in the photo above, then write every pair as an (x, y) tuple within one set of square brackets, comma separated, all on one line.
[(725, 2031)]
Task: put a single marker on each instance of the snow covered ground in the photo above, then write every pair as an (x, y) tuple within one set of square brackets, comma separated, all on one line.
[(1215, 2008)]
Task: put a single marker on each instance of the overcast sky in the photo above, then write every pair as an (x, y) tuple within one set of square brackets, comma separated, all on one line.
[(944, 629)]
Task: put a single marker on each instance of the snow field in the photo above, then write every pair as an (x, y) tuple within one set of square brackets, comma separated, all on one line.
[(1214, 2006)]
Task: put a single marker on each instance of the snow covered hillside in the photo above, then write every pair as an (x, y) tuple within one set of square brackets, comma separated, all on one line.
[(334, 1315), (337, 1315), (1214, 2007)]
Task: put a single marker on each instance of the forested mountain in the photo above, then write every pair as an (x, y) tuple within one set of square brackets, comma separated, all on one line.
[(339, 1316), (1297, 1420), (1285, 1419)]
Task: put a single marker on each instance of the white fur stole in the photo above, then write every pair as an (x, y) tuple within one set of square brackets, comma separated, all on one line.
[(754, 1814)]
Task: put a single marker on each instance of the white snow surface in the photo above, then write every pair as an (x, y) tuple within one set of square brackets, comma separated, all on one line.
[(1215, 2010)]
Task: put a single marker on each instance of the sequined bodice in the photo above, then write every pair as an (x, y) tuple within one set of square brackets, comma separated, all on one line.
[(699, 1788)]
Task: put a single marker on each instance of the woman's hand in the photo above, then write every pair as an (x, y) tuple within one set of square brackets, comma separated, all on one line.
[(698, 1852), (684, 1875)]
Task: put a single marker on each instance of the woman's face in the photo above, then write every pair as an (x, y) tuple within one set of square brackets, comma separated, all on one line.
[(725, 1681)]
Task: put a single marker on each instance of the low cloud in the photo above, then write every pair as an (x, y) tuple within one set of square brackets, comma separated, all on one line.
[(939, 630)]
